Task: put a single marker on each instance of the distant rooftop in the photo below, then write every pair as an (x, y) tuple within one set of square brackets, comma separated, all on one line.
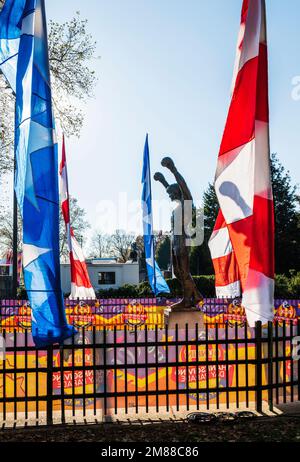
[(98, 261)]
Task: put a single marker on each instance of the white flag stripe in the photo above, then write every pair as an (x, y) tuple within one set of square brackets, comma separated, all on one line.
[(220, 244), (77, 250), (28, 24), (234, 193), (231, 290), (250, 46)]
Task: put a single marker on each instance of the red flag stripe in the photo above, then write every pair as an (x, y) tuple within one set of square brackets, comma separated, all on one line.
[(239, 127)]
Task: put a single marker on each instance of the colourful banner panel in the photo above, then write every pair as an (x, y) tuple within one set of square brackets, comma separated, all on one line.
[(136, 314)]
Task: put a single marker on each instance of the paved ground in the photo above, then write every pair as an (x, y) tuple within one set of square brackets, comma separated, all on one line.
[(281, 428)]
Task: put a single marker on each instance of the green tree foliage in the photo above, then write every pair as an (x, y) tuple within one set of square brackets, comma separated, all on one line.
[(287, 236), (163, 253), (200, 256)]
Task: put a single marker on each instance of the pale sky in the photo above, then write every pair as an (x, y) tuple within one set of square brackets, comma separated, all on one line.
[(166, 68)]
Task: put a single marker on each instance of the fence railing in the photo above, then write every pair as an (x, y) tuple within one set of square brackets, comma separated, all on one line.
[(111, 371)]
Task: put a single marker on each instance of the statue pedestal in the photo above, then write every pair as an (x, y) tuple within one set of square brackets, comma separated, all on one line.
[(181, 317)]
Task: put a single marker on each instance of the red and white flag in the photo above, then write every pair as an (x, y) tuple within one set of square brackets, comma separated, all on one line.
[(242, 244), (80, 282)]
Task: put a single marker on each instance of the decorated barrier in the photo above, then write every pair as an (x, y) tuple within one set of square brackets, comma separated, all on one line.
[(124, 357), (16, 314)]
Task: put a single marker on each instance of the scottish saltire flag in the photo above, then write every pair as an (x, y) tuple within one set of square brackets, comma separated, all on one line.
[(156, 280), (36, 181), (81, 286), (242, 244), (10, 32)]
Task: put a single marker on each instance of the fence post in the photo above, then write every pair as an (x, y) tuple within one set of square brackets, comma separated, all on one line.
[(50, 385), (270, 365), (258, 365), (298, 368)]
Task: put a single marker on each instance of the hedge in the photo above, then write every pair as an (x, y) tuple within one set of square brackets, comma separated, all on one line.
[(285, 287)]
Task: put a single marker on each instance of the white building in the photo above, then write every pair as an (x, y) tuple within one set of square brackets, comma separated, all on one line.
[(105, 273)]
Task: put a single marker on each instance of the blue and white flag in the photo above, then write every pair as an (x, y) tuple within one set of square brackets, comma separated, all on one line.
[(23, 43), (10, 32), (156, 279)]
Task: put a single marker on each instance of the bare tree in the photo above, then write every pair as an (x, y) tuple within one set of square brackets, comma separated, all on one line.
[(79, 225), (120, 245), (100, 244), (78, 222), (71, 52), (6, 230)]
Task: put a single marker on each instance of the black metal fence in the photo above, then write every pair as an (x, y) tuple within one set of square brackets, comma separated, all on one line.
[(112, 371)]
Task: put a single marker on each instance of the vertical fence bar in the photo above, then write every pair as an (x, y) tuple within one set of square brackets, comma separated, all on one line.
[(207, 366), (291, 331), (105, 370), (217, 364), (37, 402), (277, 361), (26, 374), (136, 371), (177, 366), (126, 371), (50, 385), (167, 367), (284, 360), (227, 366), (187, 367), (298, 365), (258, 364), (73, 377), (147, 369), (4, 380), (156, 369), (115, 370), (95, 371), (197, 366), (270, 365), (84, 372), (246, 363), (237, 364), (62, 383), (15, 375)]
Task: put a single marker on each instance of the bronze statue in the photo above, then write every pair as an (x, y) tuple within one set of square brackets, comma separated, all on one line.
[(179, 193)]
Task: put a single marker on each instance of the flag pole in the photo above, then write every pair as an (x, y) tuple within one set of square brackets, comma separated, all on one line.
[(153, 240), (15, 233), (15, 243), (14, 286)]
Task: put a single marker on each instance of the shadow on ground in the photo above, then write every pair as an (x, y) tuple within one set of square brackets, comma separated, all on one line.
[(266, 429)]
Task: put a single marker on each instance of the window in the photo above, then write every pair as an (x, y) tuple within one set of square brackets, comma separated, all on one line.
[(106, 278), (4, 270)]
